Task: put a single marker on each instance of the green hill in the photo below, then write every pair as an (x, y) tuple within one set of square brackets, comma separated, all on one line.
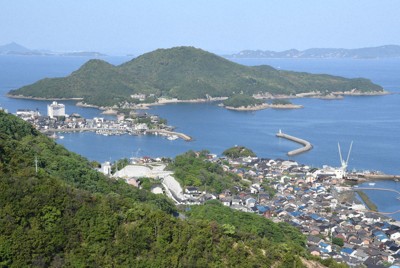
[(65, 214), (183, 73)]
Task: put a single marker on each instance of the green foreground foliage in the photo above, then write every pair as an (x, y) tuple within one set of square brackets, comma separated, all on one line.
[(183, 73), (68, 215)]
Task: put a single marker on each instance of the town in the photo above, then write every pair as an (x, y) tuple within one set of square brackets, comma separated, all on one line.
[(57, 121), (320, 202)]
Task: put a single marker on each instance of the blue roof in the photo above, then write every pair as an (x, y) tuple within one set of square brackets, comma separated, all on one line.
[(323, 245), (316, 217), (324, 250), (347, 250), (295, 213), (262, 209)]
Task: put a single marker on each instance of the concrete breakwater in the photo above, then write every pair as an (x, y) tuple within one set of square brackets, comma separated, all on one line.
[(180, 135), (376, 177), (306, 145)]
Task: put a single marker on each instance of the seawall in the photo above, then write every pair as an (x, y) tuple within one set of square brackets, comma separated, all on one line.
[(306, 145)]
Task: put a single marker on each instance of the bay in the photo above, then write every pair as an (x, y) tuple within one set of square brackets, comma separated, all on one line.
[(372, 122)]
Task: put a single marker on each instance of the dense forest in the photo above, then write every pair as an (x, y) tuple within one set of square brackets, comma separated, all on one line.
[(183, 73), (65, 214)]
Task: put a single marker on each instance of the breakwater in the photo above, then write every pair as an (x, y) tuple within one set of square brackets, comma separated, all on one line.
[(180, 135), (306, 145), (376, 177)]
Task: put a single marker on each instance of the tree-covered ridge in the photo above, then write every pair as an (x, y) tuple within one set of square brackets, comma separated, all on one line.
[(238, 151), (193, 169), (68, 215), (183, 73), (241, 100)]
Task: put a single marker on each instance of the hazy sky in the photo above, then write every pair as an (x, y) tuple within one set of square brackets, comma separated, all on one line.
[(222, 26)]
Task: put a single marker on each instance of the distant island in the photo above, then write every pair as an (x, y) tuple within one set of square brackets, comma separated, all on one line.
[(19, 50), (387, 51), (184, 74)]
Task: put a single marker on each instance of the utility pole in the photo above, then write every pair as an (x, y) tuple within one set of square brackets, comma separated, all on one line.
[(36, 165)]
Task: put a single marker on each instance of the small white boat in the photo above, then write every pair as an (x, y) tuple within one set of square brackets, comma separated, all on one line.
[(172, 137), (61, 137), (371, 184)]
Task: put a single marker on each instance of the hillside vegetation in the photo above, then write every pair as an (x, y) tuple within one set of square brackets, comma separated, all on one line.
[(240, 100), (68, 215), (183, 73)]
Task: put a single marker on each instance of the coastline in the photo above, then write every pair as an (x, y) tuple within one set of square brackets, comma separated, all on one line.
[(337, 95), (40, 98), (263, 107)]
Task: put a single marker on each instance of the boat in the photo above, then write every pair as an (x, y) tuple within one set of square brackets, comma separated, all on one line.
[(371, 184), (61, 137), (172, 137)]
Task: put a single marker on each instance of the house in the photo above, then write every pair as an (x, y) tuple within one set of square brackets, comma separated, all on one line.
[(325, 248), (346, 251), (313, 240), (380, 235), (360, 255), (227, 201), (191, 190), (236, 201), (250, 202)]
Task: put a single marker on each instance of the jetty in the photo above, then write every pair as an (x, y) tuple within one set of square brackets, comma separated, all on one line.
[(306, 145), (376, 177), (180, 135)]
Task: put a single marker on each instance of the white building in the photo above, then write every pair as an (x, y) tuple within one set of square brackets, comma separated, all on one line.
[(106, 168), (55, 109)]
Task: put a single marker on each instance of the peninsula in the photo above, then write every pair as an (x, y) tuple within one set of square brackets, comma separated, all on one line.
[(242, 102), (181, 73)]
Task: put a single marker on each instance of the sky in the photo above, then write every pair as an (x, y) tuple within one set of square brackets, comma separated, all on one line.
[(121, 27)]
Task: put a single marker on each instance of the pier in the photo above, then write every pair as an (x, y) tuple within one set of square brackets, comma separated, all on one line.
[(306, 145), (180, 135)]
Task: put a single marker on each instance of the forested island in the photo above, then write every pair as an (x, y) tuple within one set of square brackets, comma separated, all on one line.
[(56, 210), (182, 73)]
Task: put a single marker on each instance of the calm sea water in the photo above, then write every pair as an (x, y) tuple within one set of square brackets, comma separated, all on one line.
[(373, 123)]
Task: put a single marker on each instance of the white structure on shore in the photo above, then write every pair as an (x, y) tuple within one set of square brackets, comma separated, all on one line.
[(55, 109)]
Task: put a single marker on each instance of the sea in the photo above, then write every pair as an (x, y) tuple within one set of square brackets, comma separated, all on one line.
[(372, 123)]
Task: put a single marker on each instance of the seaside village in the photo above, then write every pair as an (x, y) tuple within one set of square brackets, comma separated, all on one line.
[(318, 201), (57, 121)]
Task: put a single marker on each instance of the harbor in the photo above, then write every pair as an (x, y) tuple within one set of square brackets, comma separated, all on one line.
[(307, 145)]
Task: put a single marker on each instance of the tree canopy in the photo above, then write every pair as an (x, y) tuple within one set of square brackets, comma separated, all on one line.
[(238, 151), (241, 100)]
